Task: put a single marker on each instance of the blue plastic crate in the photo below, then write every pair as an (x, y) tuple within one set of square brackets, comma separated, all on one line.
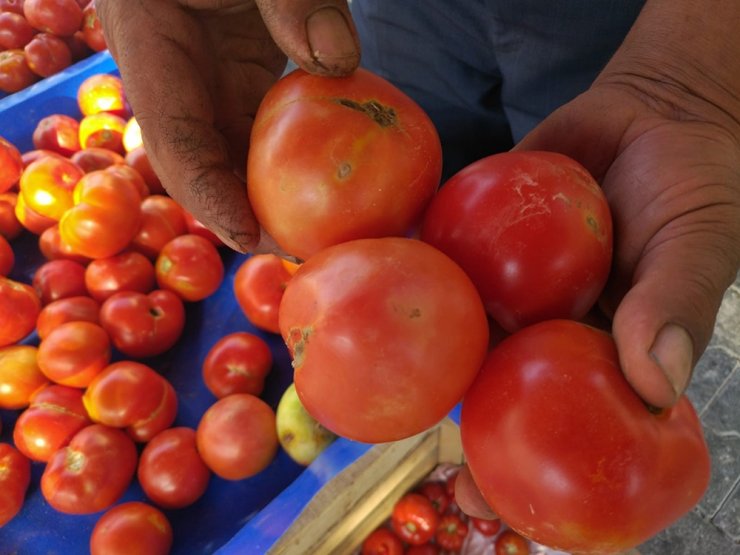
[(244, 517)]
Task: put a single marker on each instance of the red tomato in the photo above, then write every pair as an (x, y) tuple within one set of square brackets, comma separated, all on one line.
[(436, 492), (58, 133), (20, 306), (74, 353), (552, 396), (30, 156), (92, 30), (237, 437), (7, 257), (259, 284), (382, 541), (129, 528), (131, 175), (47, 184), (55, 415), (190, 266), (93, 158), (197, 228), (105, 216), (47, 54), (451, 533), (60, 17), (91, 473), (102, 130), (77, 46), (10, 227), (334, 188), (143, 325), (102, 92), (30, 219), (171, 471), (15, 31), (15, 475), (20, 376), (162, 219), (485, 526), (15, 6), (237, 363), (139, 160), (11, 165), (53, 248), (70, 309), (127, 271), (511, 543), (15, 75), (161, 419), (414, 519), (59, 279), (379, 323), (531, 229)]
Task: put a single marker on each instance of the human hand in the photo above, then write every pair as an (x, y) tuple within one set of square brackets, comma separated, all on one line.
[(195, 72)]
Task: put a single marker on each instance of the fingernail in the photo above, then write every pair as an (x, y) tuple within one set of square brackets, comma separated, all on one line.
[(332, 45), (673, 351)]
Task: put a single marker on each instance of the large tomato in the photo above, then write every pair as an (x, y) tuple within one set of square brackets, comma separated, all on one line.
[(47, 185), (69, 309), (74, 353), (190, 266), (132, 527), (391, 327), (20, 376), (531, 229), (567, 454), (20, 306), (334, 159), (127, 271)]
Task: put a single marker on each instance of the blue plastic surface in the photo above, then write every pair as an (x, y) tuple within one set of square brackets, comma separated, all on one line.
[(244, 517)]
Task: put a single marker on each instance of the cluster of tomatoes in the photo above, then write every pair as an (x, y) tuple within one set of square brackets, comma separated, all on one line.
[(121, 262), (39, 38), (427, 521)]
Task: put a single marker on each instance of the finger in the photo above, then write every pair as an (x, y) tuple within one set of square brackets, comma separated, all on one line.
[(469, 498), (319, 36)]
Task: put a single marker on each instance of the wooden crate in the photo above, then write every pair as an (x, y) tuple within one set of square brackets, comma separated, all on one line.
[(361, 497)]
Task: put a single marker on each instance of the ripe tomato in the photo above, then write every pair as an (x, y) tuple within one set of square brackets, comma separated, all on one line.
[(93, 158), (92, 30), (15, 30), (59, 279), (54, 416), (143, 325), (15, 75), (132, 527), (47, 54), (190, 266), (162, 219), (382, 541), (127, 271), (372, 165), (552, 396), (414, 518), (196, 227), (138, 159), (15, 475), (451, 533), (511, 543), (380, 323), (20, 306), (58, 133), (30, 219), (130, 174), (531, 229), (91, 473), (70, 309), (105, 216), (171, 471), (237, 363), (10, 227), (74, 353), (485, 526), (20, 376), (259, 284), (53, 248), (237, 437), (436, 492), (7, 257), (102, 130), (102, 92), (47, 184), (11, 165), (60, 17)]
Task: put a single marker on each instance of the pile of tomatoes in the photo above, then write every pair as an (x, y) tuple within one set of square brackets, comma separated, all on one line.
[(39, 38)]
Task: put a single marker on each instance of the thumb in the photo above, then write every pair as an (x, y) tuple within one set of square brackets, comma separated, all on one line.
[(319, 36)]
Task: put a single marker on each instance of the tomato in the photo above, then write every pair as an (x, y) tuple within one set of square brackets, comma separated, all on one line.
[(197, 228), (60, 17), (127, 271), (30, 219), (129, 528), (59, 279), (53, 248), (437, 494), (15, 6), (371, 166), (237, 363), (15, 75), (92, 30), (451, 533), (414, 518), (102, 92), (143, 325), (15, 31), (259, 284), (7, 257), (162, 219), (10, 227), (382, 541), (105, 216), (74, 353), (162, 418), (511, 543), (552, 396), (77, 46), (380, 323), (102, 130), (93, 158), (533, 231), (54, 416), (485, 526), (171, 471), (47, 54), (139, 160), (190, 266), (47, 185), (91, 473), (58, 133), (20, 306), (20, 376), (237, 437), (11, 165), (15, 475), (69, 309), (131, 175)]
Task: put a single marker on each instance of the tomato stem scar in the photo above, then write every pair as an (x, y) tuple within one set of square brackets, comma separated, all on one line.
[(382, 115)]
